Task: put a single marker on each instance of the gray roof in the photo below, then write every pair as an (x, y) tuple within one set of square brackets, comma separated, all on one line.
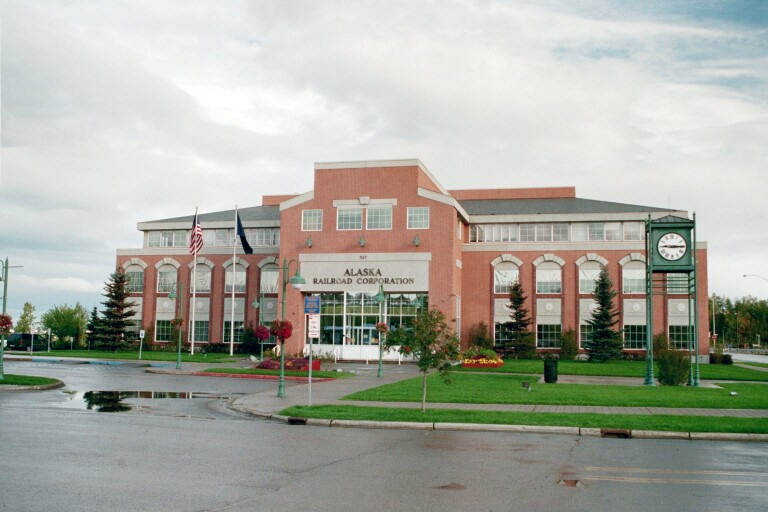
[(549, 206), (254, 213)]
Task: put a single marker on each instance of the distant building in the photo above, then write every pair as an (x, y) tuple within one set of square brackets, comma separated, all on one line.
[(391, 223)]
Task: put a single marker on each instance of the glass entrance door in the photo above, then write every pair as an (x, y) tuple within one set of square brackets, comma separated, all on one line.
[(362, 314)]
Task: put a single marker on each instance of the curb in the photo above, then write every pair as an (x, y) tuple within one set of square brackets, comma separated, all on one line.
[(44, 387), (532, 429)]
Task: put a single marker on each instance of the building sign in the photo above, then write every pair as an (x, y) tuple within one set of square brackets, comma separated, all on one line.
[(365, 272)]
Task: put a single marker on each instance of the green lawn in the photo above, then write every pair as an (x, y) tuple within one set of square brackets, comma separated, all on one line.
[(633, 422), (293, 373), (145, 355), (26, 380), (507, 389), (620, 369)]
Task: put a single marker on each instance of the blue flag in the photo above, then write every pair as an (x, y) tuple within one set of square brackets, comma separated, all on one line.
[(241, 233)]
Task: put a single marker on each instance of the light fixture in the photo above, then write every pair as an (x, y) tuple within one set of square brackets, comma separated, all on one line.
[(416, 240), (361, 242), (309, 242)]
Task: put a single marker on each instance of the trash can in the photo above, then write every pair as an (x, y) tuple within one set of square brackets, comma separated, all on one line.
[(550, 370)]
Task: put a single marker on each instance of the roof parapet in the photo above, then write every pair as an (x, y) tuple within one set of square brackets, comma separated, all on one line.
[(515, 193)]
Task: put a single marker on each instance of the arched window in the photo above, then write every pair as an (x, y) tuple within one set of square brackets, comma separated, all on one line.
[(166, 279), (505, 274), (202, 277), (236, 272), (549, 278), (633, 277), (269, 275), (135, 275), (588, 273)]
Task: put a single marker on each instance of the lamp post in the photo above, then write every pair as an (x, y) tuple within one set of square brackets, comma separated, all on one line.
[(173, 295), (260, 307), (379, 298), (297, 282), (4, 279), (746, 275)]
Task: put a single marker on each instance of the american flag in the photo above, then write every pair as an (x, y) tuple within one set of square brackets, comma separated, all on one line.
[(196, 238)]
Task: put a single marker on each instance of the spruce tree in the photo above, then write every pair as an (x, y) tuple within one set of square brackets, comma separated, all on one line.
[(92, 328), (521, 344), (605, 341), (111, 329)]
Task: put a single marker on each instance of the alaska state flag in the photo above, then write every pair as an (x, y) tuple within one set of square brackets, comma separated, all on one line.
[(241, 233)]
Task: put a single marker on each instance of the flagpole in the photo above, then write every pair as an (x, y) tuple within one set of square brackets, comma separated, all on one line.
[(234, 274), (194, 296)]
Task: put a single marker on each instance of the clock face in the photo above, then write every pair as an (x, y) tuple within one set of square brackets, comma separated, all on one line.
[(672, 246)]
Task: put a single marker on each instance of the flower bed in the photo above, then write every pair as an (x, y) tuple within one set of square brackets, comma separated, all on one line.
[(291, 363), (481, 363)]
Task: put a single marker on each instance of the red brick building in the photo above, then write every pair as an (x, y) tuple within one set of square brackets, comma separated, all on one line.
[(391, 224)]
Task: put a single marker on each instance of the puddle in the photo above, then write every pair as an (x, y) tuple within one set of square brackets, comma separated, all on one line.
[(112, 401)]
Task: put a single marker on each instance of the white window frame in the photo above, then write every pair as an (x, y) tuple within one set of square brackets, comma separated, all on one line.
[(358, 224), (387, 218), (417, 215), (312, 220)]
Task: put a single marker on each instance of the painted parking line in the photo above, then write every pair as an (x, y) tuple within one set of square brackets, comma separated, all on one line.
[(676, 477)]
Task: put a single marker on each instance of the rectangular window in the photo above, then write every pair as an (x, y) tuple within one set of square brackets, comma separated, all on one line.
[(527, 232), (379, 218), (579, 232), (543, 232), (634, 336), (634, 231), (132, 328), (177, 238), (349, 219), (418, 217), (596, 231), (633, 280), (312, 220), (548, 335), (135, 282), (613, 231), (228, 331), (560, 232), (679, 336), (163, 330), (585, 334), (166, 282), (263, 236), (201, 331), (502, 333)]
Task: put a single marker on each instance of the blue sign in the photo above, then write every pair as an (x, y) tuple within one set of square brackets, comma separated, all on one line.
[(312, 305)]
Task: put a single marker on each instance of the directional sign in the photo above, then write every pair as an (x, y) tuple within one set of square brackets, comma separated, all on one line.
[(312, 305), (314, 326)]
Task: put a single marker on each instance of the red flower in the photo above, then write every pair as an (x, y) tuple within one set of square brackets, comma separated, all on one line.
[(281, 329)]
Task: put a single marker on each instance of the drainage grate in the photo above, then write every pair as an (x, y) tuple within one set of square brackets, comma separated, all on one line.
[(618, 433), (297, 421)]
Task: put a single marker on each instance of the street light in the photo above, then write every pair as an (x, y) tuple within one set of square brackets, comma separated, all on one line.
[(4, 279), (257, 303), (379, 298), (755, 275), (173, 295), (297, 282)]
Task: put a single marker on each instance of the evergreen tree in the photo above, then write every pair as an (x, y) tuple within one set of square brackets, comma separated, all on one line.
[(92, 328), (117, 311), (605, 341), (521, 343)]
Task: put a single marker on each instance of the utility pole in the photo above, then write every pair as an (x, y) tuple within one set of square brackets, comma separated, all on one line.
[(4, 279)]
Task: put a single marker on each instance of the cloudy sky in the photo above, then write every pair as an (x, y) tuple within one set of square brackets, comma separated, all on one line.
[(116, 112)]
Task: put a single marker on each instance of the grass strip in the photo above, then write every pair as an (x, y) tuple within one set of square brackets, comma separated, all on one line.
[(583, 420), (292, 373), (507, 389), (620, 369), (134, 355), (26, 380)]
